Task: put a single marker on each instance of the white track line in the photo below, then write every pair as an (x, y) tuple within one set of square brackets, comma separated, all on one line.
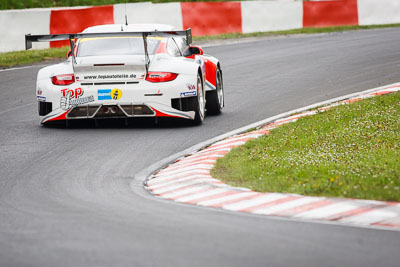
[(23, 68)]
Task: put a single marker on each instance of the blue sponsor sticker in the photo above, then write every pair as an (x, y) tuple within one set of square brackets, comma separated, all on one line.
[(104, 94), (193, 93), (41, 98)]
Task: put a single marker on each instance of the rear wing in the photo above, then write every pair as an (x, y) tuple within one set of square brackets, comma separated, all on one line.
[(29, 39)]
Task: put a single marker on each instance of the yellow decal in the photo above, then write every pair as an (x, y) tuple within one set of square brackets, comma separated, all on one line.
[(116, 94)]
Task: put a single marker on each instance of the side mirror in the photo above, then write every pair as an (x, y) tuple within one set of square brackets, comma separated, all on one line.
[(69, 53), (193, 50)]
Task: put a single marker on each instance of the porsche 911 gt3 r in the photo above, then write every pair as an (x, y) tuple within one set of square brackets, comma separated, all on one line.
[(125, 71)]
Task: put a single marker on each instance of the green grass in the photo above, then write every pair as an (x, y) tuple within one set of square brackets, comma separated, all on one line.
[(19, 4), (25, 57), (10, 59), (348, 151)]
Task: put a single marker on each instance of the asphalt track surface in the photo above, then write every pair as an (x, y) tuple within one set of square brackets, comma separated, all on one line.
[(65, 198)]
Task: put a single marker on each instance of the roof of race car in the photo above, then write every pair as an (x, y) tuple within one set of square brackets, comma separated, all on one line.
[(129, 27)]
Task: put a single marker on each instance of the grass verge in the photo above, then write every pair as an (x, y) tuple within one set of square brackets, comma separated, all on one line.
[(18, 4), (348, 151), (10, 59)]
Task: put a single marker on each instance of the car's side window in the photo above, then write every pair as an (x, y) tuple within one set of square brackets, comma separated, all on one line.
[(172, 48), (181, 43)]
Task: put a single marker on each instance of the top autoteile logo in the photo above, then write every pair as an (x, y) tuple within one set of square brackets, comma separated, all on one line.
[(73, 97), (108, 94)]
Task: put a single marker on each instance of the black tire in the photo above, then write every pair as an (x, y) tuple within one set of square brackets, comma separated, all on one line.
[(198, 103), (215, 99)]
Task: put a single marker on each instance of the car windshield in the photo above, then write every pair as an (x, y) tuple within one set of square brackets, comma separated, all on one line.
[(116, 46)]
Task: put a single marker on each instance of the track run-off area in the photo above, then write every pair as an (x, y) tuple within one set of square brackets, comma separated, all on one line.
[(188, 179), (65, 194)]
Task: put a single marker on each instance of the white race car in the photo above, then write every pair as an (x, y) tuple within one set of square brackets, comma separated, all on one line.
[(126, 71)]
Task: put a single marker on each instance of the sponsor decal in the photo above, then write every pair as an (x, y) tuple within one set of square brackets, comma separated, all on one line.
[(104, 94), (193, 93), (116, 94), (41, 98), (109, 76), (72, 93), (191, 87), (108, 94), (155, 94), (73, 97)]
